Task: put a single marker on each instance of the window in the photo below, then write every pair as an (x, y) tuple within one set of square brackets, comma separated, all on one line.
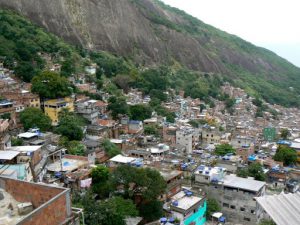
[(212, 135), (206, 178), (226, 205), (253, 211), (232, 207), (247, 219), (242, 209)]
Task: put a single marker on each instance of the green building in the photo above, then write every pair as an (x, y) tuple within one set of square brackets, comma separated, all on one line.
[(269, 133)]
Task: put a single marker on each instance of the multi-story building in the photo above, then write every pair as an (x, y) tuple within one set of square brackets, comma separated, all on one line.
[(235, 194), (52, 107), (169, 134), (23, 97), (185, 138), (188, 207), (28, 203), (210, 135), (240, 141), (88, 110)]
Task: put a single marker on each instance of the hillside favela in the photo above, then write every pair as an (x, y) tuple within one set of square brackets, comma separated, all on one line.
[(139, 112)]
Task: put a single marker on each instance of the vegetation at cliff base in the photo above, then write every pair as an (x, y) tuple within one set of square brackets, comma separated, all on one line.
[(35, 118)]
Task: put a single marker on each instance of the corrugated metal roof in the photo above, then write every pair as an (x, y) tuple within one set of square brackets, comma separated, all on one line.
[(283, 208)]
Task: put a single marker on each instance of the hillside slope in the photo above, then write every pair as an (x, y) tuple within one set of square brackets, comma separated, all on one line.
[(152, 33)]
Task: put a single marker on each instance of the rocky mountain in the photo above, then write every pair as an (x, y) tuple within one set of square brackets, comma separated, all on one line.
[(150, 33)]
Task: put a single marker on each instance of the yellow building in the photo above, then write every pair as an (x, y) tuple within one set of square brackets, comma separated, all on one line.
[(34, 101), (52, 107)]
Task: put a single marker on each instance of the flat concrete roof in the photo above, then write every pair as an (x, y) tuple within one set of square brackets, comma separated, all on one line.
[(29, 148), (169, 174), (185, 202), (8, 155), (283, 208), (66, 165), (122, 159), (243, 183), (27, 135)]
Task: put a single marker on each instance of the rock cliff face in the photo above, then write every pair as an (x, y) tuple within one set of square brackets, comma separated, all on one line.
[(148, 32)]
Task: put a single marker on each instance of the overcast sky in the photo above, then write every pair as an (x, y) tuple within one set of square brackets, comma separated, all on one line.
[(273, 24)]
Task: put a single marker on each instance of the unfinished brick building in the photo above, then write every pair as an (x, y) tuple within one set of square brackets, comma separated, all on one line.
[(45, 204)]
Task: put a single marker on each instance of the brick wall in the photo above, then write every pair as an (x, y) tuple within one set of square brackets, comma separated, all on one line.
[(53, 213), (50, 203)]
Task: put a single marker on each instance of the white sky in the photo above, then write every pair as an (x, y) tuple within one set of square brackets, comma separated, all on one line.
[(273, 24)]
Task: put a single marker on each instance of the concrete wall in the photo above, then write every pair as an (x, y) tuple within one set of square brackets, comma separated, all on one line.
[(51, 205), (237, 205)]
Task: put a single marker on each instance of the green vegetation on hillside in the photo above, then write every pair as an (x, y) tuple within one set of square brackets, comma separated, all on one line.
[(270, 80), (21, 43)]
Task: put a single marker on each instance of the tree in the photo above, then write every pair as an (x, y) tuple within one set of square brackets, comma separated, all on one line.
[(229, 103), (17, 141), (117, 106), (158, 94), (50, 85), (286, 155), (151, 211), (224, 149), (123, 82), (140, 112), (151, 130), (76, 148), (69, 126), (100, 174), (284, 133), (110, 148), (254, 170), (25, 70), (202, 107), (212, 207), (101, 184), (154, 79), (102, 212), (194, 123), (258, 102), (33, 117), (147, 183), (67, 68), (242, 173), (125, 207)]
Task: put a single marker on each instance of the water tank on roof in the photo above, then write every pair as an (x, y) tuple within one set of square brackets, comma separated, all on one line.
[(189, 193), (175, 203)]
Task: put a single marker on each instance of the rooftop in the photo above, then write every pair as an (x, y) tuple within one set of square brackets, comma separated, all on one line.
[(66, 165), (8, 155), (243, 183), (28, 148), (283, 208), (27, 135), (122, 159), (185, 202), (169, 174)]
